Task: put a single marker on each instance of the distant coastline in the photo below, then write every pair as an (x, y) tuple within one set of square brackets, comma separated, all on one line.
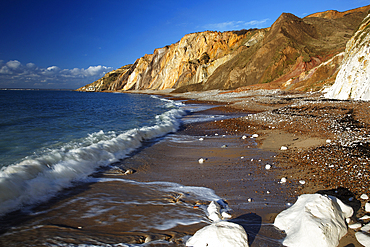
[(33, 89)]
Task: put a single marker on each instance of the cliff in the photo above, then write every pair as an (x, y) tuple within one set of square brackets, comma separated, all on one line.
[(294, 53), (353, 79), (191, 60)]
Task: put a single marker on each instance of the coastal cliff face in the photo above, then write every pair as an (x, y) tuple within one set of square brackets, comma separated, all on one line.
[(191, 60), (294, 53), (353, 79)]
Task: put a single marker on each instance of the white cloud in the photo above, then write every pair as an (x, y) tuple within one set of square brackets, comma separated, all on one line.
[(235, 25), (4, 70), (31, 65), (14, 64), (14, 74)]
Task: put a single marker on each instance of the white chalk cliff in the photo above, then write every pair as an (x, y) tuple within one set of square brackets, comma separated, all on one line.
[(353, 79)]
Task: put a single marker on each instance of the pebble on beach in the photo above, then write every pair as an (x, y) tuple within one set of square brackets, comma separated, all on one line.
[(364, 197), (267, 167), (283, 180), (128, 172), (284, 148), (254, 136), (201, 161), (367, 207), (355, 225)]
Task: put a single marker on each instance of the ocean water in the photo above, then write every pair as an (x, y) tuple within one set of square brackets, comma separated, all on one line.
[(51, 145), (49, 139)]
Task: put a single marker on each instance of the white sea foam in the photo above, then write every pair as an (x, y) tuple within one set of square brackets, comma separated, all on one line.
[(38, 178), (201, 193)]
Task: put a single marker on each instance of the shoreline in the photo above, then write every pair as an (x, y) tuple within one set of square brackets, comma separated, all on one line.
[(326, 140), (234, 168), (236, 151)]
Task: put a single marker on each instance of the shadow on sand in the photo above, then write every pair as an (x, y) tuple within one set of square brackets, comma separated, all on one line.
[(251, 223)]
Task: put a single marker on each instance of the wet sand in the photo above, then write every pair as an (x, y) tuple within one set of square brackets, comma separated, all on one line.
[(234, 168), (327, 142)]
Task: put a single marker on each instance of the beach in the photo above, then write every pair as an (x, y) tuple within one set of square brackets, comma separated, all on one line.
[(326, 148), (268, 148)]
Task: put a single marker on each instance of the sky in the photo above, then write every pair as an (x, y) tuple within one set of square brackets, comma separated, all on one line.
[(63, 44)]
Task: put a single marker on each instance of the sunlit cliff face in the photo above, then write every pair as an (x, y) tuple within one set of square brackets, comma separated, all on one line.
[(353, 79)]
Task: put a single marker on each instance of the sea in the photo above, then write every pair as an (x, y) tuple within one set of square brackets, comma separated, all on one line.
[(54, 145), (65, 171)]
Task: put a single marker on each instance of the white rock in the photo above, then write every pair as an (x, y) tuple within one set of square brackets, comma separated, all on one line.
[(201, 139), (225, 215), (267, 167), (328, 141), (283, 148), (363, 238), (213, 210), (201, 161), (254, 135), (367, 207), (366, 228), (355, 225), (302, 181), (283, 180), (364, 197), (219, 234), (314, 220), (244, 137), (365, 217)]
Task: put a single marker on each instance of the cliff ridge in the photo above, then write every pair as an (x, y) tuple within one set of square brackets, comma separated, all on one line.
[(293, 54)]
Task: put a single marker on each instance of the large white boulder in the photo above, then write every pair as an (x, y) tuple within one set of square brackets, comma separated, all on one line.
[(353, 79), (219, 234), (314, 220)]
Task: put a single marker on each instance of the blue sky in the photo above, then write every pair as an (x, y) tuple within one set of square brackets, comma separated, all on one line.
[(67, 44)]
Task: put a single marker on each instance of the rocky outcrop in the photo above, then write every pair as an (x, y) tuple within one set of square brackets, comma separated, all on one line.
[(110, 81), (353, 79), (294, 53)]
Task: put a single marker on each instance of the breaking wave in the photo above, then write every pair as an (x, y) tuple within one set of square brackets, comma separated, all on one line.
[(39, 177)]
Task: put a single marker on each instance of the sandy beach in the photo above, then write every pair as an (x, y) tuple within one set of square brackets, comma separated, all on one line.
[(326, 148), (325, 151)]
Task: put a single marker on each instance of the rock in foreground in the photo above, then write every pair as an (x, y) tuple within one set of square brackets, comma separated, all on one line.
[(219, 234), (314, 220)]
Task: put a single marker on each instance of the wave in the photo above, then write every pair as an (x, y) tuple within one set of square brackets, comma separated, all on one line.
[(38, 178)]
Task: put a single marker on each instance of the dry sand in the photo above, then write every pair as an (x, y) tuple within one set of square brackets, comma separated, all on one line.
[(327, 145)]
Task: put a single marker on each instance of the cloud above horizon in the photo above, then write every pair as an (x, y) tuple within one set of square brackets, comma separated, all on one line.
[(13, 74), (236, 25)]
